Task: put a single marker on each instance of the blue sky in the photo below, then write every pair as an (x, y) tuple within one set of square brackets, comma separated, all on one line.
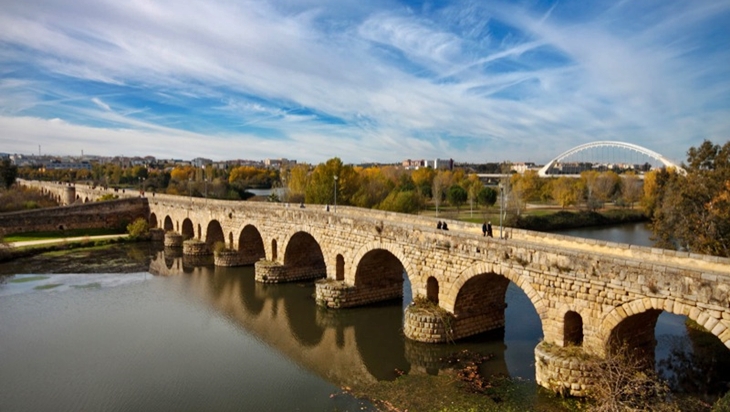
[(375, 80)]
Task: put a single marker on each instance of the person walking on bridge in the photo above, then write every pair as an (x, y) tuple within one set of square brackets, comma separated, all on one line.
[(484, 229)]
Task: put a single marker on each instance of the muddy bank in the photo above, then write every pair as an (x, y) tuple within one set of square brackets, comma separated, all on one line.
[(104, 258)]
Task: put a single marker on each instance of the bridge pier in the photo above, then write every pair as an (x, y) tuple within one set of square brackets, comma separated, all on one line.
[(336, 294), (275, 272)]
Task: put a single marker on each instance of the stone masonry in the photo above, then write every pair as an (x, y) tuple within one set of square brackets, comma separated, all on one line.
[(574, 284)]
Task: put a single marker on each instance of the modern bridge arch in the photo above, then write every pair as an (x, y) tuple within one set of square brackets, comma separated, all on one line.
[(629, 146), (651, 307)]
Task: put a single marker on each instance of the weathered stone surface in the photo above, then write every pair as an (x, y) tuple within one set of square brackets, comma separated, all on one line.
[(605, 286)]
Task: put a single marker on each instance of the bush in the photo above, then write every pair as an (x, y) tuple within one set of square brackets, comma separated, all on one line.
[(107, 197), (139, 229)]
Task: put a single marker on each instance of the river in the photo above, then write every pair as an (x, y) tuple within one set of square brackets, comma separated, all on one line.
[(185, 337)]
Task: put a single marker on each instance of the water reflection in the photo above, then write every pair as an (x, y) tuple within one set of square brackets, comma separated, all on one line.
[(354, 346)]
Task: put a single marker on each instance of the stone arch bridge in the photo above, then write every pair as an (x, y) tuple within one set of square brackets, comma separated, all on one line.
[(587, 293)]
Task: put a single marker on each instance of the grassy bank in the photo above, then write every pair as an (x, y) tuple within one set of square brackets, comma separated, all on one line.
[(571, 220), (26, 236)]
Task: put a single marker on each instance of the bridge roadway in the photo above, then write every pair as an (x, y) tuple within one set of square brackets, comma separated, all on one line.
[(592, 294)]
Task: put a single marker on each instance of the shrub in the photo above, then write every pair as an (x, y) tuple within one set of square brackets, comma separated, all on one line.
[(138, 229), (107, 197)]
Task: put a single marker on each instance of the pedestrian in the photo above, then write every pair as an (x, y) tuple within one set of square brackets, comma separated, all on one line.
[(445, 226), (489, 229), (328, 207), (484, 229), (438, 225)]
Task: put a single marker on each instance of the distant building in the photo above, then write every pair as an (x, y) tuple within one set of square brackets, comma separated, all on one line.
[(443, 164), (67, 165), (522, 167), (409, 164), (278, 163)]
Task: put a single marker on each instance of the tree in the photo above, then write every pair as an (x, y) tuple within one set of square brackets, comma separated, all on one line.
[(688, 211), (487, 197), (8, 173), (457, 196), (437, 189), (565, 191), (631, 189)]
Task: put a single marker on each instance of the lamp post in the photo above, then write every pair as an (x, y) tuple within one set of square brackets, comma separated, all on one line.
[(205, 182), (501, 207), (335, 193)]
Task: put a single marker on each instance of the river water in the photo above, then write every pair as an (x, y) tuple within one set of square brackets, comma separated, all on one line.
[(186, 337)]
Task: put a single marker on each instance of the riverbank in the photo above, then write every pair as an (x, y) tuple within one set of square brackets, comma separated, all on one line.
[(563, 220)]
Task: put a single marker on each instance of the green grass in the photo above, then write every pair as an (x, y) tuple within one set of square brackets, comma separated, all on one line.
[(21, 237), (29, 279), (48, 286), (95, 285)]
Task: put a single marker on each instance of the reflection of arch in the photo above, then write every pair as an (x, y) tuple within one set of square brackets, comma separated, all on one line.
[(303, 257), (432, 289), (153, 221), (666, 162), (168, 224), (655, 306), (187, 229), (251, 244), (379, 268), (572, 329), (301, 314), (214, 233), (381, 327)]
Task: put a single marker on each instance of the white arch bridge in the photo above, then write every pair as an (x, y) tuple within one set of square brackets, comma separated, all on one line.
[(544, 172)]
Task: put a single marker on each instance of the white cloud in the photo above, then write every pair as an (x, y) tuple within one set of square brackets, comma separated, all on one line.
[(365, 82)]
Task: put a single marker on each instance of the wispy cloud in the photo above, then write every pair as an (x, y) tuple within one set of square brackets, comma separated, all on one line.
[(365, 81)]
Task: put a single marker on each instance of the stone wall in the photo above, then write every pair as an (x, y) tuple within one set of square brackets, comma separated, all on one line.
[(107, 215)]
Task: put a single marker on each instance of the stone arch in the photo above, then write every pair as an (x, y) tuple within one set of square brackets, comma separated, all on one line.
[(339, 267), (380, 270), (377, 244), (538, 302), (274, 250), (214, 234), (153, 221), (200, 232), (432, 289), (188, 231), (718, 327), (251, 245), (303, 257), (230, 240), (480, 305), (572, 329), (86, 199)]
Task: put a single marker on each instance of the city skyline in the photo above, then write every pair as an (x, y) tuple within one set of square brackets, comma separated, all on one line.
[(366, 82)]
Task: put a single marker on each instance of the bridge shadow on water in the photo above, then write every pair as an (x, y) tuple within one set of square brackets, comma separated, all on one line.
[(359, 346), (349, 346)]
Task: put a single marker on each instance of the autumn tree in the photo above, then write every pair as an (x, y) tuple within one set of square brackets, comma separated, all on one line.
[(688, 210), (631, 189), (487, 197), (566, 191)]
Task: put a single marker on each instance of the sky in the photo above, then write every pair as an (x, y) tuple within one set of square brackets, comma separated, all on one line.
[(365, 81)]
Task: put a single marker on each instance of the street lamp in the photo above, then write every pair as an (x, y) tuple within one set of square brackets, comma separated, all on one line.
[(335, 193), (205, 180), (501, 207)]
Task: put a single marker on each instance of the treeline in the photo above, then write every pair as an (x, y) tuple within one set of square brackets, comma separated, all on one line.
[(690, 212), (180, 180)]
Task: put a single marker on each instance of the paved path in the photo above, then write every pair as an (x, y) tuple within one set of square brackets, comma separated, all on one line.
[(62, 240)]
